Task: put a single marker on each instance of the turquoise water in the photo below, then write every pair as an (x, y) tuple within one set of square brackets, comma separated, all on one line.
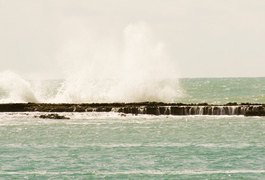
[(223, 90), (193, 90), (106, 145)]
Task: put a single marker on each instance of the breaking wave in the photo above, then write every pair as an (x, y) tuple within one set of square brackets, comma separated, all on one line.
[(101, 71)]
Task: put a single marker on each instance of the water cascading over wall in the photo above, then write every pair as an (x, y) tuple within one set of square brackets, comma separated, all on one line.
[(141, 108)]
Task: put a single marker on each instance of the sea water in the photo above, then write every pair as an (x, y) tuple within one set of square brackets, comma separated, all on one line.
[(223, 90), (107, 145), (111, 146), (188, 90)]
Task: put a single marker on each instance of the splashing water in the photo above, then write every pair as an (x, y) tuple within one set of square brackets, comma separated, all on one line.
[(140, 71), (102, 71), (15, 89)]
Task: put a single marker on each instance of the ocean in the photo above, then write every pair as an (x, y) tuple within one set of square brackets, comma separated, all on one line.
[(107, 145), (223, 90)]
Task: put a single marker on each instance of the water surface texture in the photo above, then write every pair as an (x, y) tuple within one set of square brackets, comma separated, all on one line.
[(106, 145), (198, 90), (223, 90)]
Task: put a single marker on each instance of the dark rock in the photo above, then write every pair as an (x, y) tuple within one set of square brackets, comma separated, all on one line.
[(255, 111), (187, 110), (202, 104), (134, 110), (152, 110), (216, 111), (180, 104), (53, 116), (237, 111), (19, 107), (121, 110), (162, 110), (103, 109), (226, 109), (123, 115), (205, 110), (175, 110), (127, 110), (231, 104)]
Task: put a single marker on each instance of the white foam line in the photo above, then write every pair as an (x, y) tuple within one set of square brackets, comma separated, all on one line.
[(159, 145), (77, 115), (148, 172), (186, 172)]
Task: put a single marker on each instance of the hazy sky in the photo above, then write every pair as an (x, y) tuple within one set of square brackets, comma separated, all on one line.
[(207, 38)]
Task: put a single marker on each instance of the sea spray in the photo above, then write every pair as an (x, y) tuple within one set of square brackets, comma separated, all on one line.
[(148, 74), (13, 88), (140, 70), (136, 68)]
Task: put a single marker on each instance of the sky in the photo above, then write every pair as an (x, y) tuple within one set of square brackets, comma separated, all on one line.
[(206, 38)]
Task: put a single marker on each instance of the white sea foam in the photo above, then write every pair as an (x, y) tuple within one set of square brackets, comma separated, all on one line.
[(14, 118), (138, 172), (139, 145), (100, 70), (15, 89), (185, 172), (140, 70)]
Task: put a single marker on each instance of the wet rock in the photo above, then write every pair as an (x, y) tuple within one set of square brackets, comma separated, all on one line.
[(255, 111), (216, 111), (18, 107), (53, 116), (123, 115), (237, 111), (127, 110), (103, 109), (226, 110), (134, 110), (162, 110), (231, 104), (175, 110), (202, 104), (152, 110)]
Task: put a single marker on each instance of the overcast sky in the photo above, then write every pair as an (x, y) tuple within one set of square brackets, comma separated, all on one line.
[(207, 38)]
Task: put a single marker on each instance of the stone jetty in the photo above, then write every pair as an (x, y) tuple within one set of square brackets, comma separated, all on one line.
[(152, 108)]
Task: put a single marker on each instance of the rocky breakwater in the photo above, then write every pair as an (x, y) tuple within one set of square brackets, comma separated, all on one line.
[(152, 108)]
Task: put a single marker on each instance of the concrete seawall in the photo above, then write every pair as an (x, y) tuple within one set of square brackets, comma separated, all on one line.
[(152, 108)]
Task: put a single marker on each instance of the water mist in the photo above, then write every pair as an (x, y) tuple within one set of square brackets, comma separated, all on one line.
[(134, 69), (138, 71), (14, 89)]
